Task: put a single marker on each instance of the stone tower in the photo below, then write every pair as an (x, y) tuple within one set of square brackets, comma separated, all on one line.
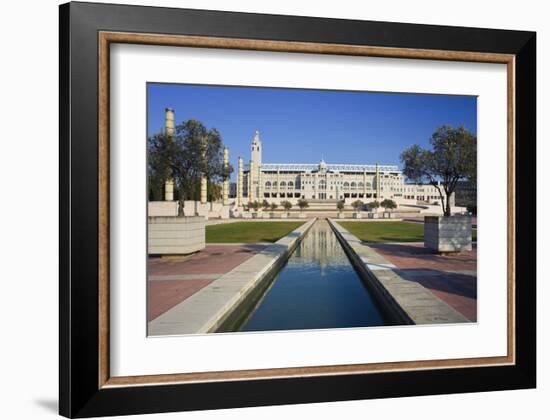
[(255, 167), (256, 151)]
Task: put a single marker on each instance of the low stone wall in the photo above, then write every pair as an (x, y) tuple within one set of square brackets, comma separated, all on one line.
[(162, 208), (448, 234), (175, 235), (402, 301)]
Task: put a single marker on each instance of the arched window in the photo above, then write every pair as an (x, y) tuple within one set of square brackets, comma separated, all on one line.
[(360, 185), (322, 184), (353, 185), (267, 185), (283, 184), (274, 184), (368, 184), (346, 184), (290, 185)]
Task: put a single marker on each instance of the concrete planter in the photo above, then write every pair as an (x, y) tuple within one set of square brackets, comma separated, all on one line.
[(357, 215), (175, 235), (284, 215), (448, 233), (163, 208), (341, 215), (247, 215)]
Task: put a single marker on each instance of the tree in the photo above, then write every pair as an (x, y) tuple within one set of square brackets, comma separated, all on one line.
[(287, 205), (340, 205), (194, 151), (273, 206), (265, 204), (303, 204), (357, 205), (374, 204), (452, 158), (388, 204), (255, 205), (163, 159)]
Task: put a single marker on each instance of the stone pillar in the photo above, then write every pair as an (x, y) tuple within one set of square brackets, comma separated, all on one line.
[(204, 182), (169, 190), (378, 198), (278, 184), (251, 192), (170, 130), (240, 183), (316, 185), (225, 185), (260, 184), (365, 183), (169, 122), (203, 189)]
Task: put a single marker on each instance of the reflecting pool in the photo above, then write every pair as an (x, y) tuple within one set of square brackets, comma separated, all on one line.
[(317, 288)]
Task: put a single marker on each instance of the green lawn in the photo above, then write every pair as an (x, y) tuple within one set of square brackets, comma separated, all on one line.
[(389, 231), (249, 231)]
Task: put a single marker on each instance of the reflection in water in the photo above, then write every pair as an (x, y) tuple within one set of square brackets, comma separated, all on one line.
[(317, 288)]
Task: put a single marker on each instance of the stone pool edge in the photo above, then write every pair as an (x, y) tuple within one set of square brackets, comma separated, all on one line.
[(209, 309), (403, 302)]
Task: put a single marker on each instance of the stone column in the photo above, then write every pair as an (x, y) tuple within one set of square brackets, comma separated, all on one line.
[(225, 185), (378, 198), (204, 189), (240, 183), (169, 190), (316, 185), (169, 127), (260, 184), (169, 122), (278, 184), (365, 183), (251, 192), (204, 182)]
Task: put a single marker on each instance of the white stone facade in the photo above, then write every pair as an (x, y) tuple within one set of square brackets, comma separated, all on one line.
[(326, 182)]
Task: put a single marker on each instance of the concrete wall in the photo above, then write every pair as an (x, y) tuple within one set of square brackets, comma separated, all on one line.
[(162, 208), (175, 235), (448, 234)]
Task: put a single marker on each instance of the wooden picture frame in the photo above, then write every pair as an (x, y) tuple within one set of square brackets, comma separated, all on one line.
[(86, 32)]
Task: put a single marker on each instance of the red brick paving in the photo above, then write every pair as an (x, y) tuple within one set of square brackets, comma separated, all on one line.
[(435, 272), (165, 294), (212, 259)]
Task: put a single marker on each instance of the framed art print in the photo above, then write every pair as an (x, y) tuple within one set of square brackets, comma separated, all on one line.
[(260, 209)]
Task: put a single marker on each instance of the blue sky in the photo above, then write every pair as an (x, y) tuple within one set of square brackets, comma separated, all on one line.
[(302, 126)]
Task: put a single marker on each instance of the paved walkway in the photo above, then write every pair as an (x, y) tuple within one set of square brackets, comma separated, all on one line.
[(452, 278), (172, 280), (213, 302)]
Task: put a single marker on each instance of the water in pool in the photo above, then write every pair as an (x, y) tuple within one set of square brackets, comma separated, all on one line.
[(317, 288)]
